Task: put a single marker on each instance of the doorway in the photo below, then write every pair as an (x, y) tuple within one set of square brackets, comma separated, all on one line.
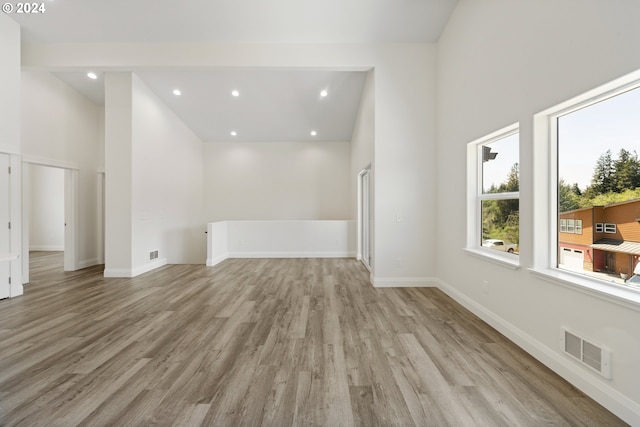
[(49, 212), (364, 217)]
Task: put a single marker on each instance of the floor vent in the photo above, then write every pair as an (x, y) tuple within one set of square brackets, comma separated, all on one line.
[(588, 353)]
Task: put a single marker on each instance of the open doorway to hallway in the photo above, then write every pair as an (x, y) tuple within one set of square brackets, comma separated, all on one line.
[(49, 218)]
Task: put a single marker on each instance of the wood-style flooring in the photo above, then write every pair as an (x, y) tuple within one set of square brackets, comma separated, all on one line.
[(278, 342)]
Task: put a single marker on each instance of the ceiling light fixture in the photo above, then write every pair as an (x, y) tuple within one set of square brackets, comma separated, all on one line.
[(324, 93), (177, 92), (92, 75), (235, 93), (313, 133), (234, 133)]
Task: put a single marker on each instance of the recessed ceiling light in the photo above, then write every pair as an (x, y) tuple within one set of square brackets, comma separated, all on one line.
[(235, 93), (177, 92), (324, 93), (313, 133), (92, 75), (234, 133)]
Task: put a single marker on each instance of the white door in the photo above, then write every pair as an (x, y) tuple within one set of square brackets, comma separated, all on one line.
[(5, 247)]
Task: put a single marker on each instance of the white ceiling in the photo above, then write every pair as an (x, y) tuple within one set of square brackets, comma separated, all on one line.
[(273, 105)]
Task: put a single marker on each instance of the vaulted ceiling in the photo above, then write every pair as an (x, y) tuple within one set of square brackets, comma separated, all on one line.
[(282, 105)]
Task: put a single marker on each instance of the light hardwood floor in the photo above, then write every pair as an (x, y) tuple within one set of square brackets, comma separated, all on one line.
[(304, 342)]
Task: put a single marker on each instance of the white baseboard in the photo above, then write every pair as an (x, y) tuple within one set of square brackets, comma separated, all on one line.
[(87, 263), (126, 272), (584, 380), (217, 260), (46, 248), (15, 290), (404, 282), (117, 272), (291, 255)]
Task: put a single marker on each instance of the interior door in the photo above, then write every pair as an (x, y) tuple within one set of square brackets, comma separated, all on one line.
[(5, 247)]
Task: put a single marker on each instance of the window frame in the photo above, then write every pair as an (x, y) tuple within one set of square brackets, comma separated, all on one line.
[(610, 228), (545, 198), (476, 195)]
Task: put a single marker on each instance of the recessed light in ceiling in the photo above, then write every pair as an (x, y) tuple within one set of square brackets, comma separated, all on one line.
[(92, 75), (234, 133), (177, 92), (324, 93), (314, 133), (235, 93)]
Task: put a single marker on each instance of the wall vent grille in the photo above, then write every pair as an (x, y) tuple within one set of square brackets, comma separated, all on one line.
[(589, 354), (153, 255)]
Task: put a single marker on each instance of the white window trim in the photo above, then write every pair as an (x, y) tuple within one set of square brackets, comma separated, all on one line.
[(612, 229), (475, 196), (545, 199)]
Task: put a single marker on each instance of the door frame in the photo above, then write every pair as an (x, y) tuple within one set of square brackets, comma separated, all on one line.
[(15, 185), (71, 172), (364, 217)]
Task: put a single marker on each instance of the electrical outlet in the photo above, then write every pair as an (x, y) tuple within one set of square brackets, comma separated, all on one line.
[(485, 286), (397, 262)]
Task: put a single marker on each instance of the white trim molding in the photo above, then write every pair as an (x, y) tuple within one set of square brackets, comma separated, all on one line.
[(600, 391), (128, 273), (404, 282)]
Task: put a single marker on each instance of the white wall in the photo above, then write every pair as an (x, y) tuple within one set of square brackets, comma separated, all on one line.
[(46, 218), (61, 126), (10, 142), (362, 150), (10, 87), (499, 63), (167, 184), (404, 124), (279, 239), (277, 180), (118, 164)]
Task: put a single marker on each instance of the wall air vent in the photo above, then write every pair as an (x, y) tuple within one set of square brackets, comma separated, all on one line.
[(153, 255), (589, 354)]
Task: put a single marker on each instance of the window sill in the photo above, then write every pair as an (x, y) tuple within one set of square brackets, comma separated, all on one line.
[(504, 260), (624, 295)]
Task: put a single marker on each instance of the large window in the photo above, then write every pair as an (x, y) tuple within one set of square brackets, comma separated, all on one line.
[(494, 193), (599, 177), (586, 191)]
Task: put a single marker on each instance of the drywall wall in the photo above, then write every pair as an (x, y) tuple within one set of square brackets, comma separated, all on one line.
[(500, 63), (154, 181), (277, 181), (404, 124), (10, 143), (167, 182), (10, 88), (61, 127), (118, 174), (46, 218), (279, 239), (362, 149)]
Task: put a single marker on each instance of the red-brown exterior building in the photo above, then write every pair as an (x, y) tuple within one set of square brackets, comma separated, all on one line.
[(601, 238)]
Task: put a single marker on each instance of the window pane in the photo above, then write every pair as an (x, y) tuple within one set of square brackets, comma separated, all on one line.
[(501, 225), (599, 187), (500, 171)]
